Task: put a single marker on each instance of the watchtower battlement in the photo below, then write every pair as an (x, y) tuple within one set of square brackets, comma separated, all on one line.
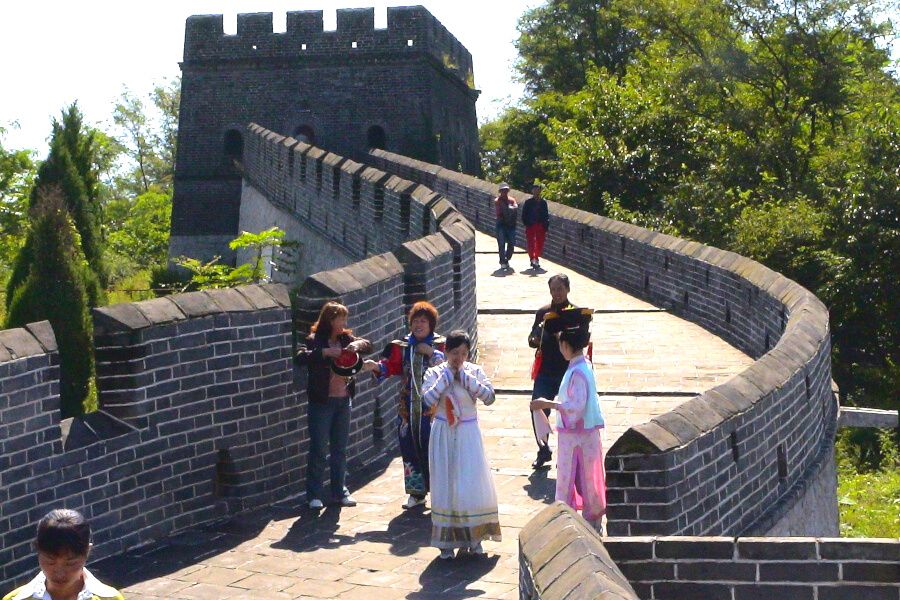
[(410, 29)]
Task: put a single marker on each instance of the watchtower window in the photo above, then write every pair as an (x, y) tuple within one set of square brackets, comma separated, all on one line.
[(376, 138), (233, 145), (305, 133)]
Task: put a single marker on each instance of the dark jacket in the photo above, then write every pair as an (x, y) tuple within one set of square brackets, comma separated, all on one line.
[(536, 211), (310, 355), (553, 363)]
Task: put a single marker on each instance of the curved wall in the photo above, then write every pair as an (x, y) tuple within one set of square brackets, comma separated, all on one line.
[(736, 459), (203, 412)]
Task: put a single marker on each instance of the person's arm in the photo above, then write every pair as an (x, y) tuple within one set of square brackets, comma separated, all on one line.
[(310, 353), (434, 383), (542, 403), (534, 338), (477, 384), (360, 345), (544, 214)]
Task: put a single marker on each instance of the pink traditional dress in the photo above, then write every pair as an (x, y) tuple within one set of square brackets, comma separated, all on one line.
[(463, 499), (580, 478)]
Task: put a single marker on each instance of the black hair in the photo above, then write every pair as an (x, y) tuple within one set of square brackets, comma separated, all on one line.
[(576, 337), (560, 277), (63, 529), (457, 338)]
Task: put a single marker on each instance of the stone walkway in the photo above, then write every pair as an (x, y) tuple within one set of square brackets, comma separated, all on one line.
[(646, 361)]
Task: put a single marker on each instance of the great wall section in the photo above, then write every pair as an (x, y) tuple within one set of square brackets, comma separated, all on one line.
[(203, 414)]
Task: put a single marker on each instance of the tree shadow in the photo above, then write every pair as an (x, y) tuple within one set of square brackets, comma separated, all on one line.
[(541, 486)]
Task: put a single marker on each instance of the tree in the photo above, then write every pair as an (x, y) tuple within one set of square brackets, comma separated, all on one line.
[(16, 178), (54, 291), (562, 40), (149, 138)]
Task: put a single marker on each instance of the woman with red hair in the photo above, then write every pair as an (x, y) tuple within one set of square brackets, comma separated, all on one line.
[(330, 391), (410, 358)]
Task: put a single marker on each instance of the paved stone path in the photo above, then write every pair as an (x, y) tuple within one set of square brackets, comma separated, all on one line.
[(646, 361)]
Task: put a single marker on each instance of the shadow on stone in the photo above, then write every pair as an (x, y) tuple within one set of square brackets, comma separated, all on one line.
[(541, 486), (447, 579), (178, 551), (406, 533)]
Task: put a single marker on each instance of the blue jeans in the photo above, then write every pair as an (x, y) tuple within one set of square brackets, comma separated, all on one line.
[(506, 241), (329, 431)]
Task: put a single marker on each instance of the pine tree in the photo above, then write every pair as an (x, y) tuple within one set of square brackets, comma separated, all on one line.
[(54, 290), (70, 168)]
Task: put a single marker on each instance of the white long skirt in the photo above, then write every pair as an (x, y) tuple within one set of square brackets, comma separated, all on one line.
[(463, 498)]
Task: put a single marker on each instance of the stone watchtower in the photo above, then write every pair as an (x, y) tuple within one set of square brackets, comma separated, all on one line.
[(408, 88)]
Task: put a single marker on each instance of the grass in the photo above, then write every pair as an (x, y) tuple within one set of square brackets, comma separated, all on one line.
[(869, 495)]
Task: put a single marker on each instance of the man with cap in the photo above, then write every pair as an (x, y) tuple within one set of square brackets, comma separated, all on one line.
[(550, 365), (536, 217), (506, 210)]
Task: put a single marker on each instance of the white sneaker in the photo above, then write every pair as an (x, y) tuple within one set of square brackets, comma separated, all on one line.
[(316, 504), (477, 549), (446, 554), (412, 501)]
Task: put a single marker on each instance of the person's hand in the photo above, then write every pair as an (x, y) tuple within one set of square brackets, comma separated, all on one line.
[(353, 347), (424, 349), (370, 365), (331, 352), (537, 404)]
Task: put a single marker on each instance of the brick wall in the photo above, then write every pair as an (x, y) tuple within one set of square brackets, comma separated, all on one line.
[(737, 458), (203, 411), (746, 568), (560, 555)]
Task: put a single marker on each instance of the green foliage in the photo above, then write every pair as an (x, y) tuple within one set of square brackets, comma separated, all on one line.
[(138, 229), (54, 290), (148, 138), (17, 171), (71, 166), (869, 484), (212, 274)]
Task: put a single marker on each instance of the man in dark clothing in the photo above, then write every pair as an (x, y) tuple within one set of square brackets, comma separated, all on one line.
[(552, 363), (507, 211), (536, 217)]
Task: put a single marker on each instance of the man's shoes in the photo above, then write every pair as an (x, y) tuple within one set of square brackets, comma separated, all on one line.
[(504, 265), (347, 500), (413, 501), (477, 549), (446, 554), (316, 504), (534, 264), (544, 456), (537, 263)]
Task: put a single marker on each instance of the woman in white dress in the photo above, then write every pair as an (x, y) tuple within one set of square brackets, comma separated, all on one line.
[(463, 498)]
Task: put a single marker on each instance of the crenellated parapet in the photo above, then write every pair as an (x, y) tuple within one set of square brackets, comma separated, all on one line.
[(410, 30)]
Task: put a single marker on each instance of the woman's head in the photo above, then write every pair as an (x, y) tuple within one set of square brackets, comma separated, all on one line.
[(332, 319), (457, 347), (63, 542), (423, 319), (573, 340)]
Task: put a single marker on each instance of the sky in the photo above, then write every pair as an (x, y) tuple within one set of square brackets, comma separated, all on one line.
[(57, 52)]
